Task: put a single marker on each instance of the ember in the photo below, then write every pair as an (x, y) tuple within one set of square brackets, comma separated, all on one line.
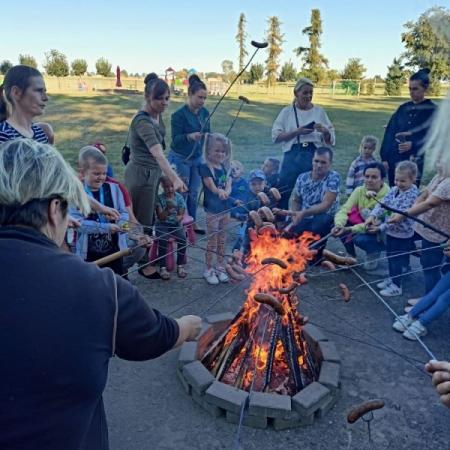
[(264, 349)]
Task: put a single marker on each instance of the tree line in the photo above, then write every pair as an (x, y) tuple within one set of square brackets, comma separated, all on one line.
[(426, 41)]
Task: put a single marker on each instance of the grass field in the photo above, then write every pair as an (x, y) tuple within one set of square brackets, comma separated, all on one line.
[(79, 120)]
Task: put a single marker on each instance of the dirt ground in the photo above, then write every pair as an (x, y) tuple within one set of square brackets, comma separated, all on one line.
[(148, 409)]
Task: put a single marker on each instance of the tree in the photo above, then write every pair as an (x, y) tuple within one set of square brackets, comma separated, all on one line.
[(5, 65), (240, 39), (124, 73), (288, 72), (353, 70), (28, 60), (56, 64), (332, 75), (256, 73), (103, 67), (394, 78), (427, 44), (227, 69), (275, 39), (314, 63), (79, 67)]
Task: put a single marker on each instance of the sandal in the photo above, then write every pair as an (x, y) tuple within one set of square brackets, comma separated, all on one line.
[(153, 276), (181, 272), (165, 275)]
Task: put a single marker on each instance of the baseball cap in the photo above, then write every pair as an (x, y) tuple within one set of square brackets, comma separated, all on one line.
[(257, 173)]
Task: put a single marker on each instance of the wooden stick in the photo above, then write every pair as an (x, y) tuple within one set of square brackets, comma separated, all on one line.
[(107, 259)]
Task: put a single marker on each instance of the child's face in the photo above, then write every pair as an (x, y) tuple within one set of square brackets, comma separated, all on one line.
[(217, 153), (168, 189), (257, 185), (403, 180), (268, 167), (236, 172), (95, 175), (367, 150)]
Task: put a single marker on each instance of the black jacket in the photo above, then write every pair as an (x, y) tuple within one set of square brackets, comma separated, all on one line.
[(408, 117), (56, 329)]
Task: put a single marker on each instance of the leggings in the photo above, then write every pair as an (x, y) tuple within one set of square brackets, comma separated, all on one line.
[(216, 225), (434, 304)]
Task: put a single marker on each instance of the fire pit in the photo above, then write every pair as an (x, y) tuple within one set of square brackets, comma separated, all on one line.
[(266, 356)]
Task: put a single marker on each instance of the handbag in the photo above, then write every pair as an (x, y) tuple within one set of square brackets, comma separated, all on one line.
[(126, 148)]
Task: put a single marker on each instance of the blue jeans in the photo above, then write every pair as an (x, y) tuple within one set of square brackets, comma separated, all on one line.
[(365, 241), (434, 303), (431, 258), (187, 169), (397, 246)]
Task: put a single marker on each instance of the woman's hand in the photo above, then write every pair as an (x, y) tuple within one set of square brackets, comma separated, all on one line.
[(405, 147), (223, 195), (178, 185), (372, 228), (395, 218), (321, 128), (339, 231), (195, 137), (441, 379), (302, 131), (72, 222)]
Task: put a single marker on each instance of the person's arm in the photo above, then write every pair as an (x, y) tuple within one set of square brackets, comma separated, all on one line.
[(341, 217), (328, 199), (388, 138), (440, 379), (296, 200), (110, 213), (228, 185), (326, 128), (88, 226), (350, 181), (144, 333), (419, 208)]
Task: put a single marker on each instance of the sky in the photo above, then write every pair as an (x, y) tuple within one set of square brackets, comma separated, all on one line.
[(149, 36)]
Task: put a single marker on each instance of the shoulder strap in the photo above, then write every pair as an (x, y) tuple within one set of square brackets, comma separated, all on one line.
[(296, 121), (116, 314)]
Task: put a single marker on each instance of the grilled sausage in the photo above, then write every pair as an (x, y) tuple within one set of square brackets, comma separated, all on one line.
[(289, 289), (266, 212), (266, 226), (256, 218), (252, 234), (277, 261), (233, 274), (337, 259), (358, 411), (275, 194), (345, 292), (328, 265), (263, 198), (270, 300)]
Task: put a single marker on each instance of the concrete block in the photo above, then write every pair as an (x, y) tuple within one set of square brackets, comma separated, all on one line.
[(269, 405), (184, 383), (221, 317), (313, 333), (329, 352), (330, 375), (248, 420), (323, 410), (188, 353), (226, 397), (292, 420), (310, 399), (213, 410), (198, 376)]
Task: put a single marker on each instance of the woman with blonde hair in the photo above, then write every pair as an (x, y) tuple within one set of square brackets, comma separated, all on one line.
[(300, 128), (62, 319)]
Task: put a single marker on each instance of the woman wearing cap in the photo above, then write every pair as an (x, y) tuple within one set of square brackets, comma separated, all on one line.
[(405, 133), (62, 319), (189, 125), (300, 128)]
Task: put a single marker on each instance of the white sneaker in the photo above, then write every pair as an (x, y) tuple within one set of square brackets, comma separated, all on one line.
[(392, 290), (210, 276), (402, 323), (416, 329), (384, 284), (371, 262), (222, 275)]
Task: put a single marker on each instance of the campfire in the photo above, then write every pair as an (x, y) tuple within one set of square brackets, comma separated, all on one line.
[(264, 348)]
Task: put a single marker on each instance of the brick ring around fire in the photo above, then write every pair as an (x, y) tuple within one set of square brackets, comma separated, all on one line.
[(264, 409)]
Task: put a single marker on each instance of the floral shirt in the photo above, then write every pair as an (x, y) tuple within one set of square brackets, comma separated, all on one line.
[(401, 200), (311, 192), (439, 215)]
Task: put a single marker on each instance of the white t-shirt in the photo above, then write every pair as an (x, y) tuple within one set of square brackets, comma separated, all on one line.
[(285, 122)]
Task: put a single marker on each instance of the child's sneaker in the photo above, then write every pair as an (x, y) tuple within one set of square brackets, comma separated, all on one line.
[(402, 323), (416, 329), (392, 290), (222, 275), (384, 284), (210, 276)]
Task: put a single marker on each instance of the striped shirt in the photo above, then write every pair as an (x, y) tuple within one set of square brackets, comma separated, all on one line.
[(9, 133)]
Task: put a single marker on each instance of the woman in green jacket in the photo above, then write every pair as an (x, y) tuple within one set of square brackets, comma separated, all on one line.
[(349, 220)]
